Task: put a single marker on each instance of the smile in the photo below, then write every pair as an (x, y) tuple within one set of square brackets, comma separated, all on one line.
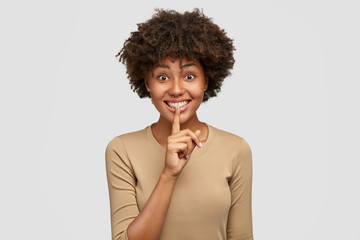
[(182, 105)]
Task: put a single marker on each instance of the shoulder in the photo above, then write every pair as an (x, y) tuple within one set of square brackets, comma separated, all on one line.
[(230, 141), (120, 149), (121, 142), (236, 148), (232, 147)]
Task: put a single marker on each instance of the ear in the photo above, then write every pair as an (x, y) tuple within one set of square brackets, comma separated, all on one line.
[(206, 83), (146, 84)]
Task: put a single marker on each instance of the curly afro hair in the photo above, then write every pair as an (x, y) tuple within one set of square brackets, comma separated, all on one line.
[(172, 34)]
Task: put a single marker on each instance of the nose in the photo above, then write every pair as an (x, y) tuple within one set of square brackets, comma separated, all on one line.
[(176, 88)]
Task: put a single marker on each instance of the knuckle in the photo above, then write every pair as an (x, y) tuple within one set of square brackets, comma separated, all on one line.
[(171, 146), (191, 133)]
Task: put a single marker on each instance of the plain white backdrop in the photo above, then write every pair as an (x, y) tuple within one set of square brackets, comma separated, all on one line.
[(293, 95)]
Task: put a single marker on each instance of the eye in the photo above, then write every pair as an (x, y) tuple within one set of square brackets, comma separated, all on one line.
[(162, 77), (190, 76)]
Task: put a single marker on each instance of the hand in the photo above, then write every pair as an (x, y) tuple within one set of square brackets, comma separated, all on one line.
[(180, 145)]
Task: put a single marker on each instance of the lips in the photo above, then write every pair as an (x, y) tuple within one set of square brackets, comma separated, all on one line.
[(181, 104), (171, 105)]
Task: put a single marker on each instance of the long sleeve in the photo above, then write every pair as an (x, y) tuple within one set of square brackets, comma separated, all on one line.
[(239, 225), (212, 196), (122, 193)]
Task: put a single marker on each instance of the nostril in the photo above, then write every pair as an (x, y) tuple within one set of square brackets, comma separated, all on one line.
[(175, 95)]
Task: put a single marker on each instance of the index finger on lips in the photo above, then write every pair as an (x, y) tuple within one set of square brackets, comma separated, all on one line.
[(176, 121)]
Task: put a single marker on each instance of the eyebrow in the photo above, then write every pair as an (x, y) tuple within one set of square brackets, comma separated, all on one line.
[(182, 67), (188, 65), (162, 66)]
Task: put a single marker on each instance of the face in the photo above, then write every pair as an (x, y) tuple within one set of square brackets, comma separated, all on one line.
[(171, 83)]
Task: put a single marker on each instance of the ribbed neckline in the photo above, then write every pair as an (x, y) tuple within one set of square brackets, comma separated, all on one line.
[(197, 153)]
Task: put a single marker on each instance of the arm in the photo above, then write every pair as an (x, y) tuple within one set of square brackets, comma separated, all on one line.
[(239, 225), (148, 224), (127, 222), (122, 192)]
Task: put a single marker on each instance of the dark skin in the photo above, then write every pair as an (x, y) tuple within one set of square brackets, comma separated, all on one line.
[(202, 40), (178, 130), (174, 81), (148, 224), (161, 131)]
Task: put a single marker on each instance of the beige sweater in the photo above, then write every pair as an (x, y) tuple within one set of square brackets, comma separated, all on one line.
[(212, 195)]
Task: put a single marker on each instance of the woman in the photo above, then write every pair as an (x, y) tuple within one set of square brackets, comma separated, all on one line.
[(179, 178)]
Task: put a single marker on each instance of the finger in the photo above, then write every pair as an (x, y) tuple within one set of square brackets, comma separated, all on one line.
[(190, 147), (176, 122), (177, 147), (189, 143), (178, 139), (182, 155), (197, 133), (194, 136), (184, 134), (181, 149), (187, 132)]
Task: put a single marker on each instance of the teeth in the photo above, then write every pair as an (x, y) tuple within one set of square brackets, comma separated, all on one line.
[(181, 104)]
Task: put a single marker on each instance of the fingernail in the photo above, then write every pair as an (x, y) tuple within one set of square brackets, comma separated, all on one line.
[(200, 144), (188, 156)]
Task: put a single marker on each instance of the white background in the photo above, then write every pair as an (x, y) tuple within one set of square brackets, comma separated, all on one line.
[(293, 95)]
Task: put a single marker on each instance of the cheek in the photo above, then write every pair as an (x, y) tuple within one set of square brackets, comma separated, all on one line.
[(197, 92), (156, 92)]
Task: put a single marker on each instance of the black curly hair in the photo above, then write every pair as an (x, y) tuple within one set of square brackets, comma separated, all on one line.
[(172, 34)]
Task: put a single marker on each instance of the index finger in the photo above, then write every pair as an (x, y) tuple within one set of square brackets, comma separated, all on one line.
[(176, 122)]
